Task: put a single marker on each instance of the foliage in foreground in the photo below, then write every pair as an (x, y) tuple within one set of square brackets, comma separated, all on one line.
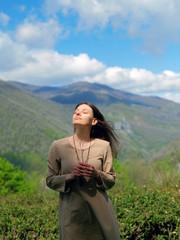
[(146, 199), (142, 214), (148, 214), (12, 179), (15, 180)]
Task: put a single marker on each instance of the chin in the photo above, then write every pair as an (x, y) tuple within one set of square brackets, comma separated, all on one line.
[(75, 123)]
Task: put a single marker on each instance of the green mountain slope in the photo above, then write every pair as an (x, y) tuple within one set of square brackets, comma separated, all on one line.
[(28, 124), (144, 131), (170, 154)]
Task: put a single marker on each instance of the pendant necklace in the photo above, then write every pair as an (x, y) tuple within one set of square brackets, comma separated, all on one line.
[(78, 158)]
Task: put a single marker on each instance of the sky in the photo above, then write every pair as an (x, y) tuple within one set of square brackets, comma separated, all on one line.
[(129, 45)]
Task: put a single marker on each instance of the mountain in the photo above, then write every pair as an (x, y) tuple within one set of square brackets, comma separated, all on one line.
[(149, 122), (30, 121), (29, 124), (169, 154), (143, 131), (98, 94)]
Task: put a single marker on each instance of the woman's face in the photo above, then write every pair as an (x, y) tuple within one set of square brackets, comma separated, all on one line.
[(83, 116)]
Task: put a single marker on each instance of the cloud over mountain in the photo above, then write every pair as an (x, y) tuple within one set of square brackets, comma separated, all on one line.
[(48, 67), (29, 51)]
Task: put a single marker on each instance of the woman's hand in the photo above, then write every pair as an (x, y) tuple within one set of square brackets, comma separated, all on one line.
[(84, 169), (87, 170), (75, 173)]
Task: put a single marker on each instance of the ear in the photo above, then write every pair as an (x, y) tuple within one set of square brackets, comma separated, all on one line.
[(94, 121)]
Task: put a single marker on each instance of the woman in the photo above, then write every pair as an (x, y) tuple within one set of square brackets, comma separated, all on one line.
[(80, 167)]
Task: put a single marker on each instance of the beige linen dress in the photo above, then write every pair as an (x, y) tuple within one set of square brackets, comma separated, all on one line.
[(85, 211)]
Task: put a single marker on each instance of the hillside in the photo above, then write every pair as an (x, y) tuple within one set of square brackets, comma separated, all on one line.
[(143, 131), (98, 94), (28, 124), (170, 154)]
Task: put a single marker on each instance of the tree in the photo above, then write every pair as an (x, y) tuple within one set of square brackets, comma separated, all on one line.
[(12, 179)]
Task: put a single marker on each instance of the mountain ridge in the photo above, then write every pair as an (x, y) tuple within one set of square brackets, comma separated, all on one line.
[(93, 92)]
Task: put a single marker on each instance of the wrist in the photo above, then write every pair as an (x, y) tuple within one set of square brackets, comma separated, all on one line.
[(97, 174), (69, 177), (98, 177)]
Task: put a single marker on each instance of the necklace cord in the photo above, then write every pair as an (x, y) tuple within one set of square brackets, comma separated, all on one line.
[(77, 155)]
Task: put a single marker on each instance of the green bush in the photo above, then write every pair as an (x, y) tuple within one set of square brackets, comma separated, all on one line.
[(148, 214), (146, 200), (28, 217), (12, 179), (142, 213)]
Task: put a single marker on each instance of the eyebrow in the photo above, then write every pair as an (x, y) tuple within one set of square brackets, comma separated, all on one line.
[(83, 109)]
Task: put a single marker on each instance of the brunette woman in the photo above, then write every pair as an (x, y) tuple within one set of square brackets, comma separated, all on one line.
[(80, 167)]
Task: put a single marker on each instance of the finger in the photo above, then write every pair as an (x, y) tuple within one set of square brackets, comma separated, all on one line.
[(83, 168), (86, 175), (77, 174), (86, 172), (85, 164)]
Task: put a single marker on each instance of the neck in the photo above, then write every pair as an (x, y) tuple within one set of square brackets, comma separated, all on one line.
[(82, 136)]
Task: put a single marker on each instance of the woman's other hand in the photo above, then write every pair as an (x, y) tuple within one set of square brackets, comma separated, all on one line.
[(84, 169), (87, 170)]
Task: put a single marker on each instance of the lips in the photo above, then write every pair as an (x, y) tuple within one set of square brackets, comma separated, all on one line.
[(77, 118)]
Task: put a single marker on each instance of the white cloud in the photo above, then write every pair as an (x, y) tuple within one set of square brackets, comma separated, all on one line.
[(13, 55), (44, 66), (156, 22), (4, 19), (47, 67), (172, 96), (140, 81), (39, 34)]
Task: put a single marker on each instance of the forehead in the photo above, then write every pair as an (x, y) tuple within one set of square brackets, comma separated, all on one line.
[(84, 107)]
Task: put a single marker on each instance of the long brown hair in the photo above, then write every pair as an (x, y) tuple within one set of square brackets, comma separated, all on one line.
[(102, 129)]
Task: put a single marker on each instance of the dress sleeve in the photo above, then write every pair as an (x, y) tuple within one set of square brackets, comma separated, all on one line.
[(54, 179), (107, 174)]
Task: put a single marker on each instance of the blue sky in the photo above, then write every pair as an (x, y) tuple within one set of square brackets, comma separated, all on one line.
[(129, 45)]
